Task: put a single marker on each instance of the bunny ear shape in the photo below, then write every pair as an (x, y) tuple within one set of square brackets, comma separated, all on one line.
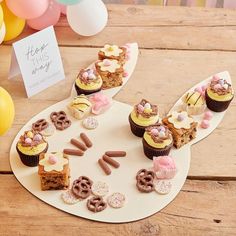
[(129, 67), (216, 116)]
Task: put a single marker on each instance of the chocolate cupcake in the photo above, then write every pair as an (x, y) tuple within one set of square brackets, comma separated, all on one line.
[(143, 115), (88, 81), (157, 141), (30, 145), (219, 94)]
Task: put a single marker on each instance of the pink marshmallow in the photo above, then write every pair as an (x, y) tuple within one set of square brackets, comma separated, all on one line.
[(205, 124), (125, 74), (208, 115)]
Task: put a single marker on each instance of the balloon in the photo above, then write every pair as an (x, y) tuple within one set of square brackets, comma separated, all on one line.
[(87, 17), (69, 2), (14, 25), (2, 32), (50, 17), (7, 111), (1, 16), (27, 9)]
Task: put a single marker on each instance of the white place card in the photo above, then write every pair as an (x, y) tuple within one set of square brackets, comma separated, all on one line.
[(37, 58)]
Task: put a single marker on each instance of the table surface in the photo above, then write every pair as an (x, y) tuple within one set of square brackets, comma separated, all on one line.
[(178, 48)]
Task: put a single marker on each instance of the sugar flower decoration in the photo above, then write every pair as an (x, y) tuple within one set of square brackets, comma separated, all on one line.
[(57, 165), (111, 50), (180, 120)]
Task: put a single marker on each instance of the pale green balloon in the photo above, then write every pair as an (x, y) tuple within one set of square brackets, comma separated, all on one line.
[(69, 2)]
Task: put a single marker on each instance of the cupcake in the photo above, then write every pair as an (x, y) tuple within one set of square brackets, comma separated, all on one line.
[(30, 145), (194, 103), (113, 52), (157, 141), (164, 167), (143, 115), (80, 106), (219, 94), (88, 81)]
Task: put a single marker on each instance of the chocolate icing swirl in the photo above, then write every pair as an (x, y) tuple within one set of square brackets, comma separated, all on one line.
[(156, 137), (34, 142), (154, 108)]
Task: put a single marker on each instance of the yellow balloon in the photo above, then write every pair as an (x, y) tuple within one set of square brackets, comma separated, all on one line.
[(1, 16), (14, 25), (7, 111)]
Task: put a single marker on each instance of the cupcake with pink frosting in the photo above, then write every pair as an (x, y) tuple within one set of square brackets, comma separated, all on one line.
[(164, 167)]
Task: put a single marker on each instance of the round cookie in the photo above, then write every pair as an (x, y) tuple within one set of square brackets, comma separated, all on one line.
[(90, 123), (100, 189), (116, 200), (162, 186), (69, 198)]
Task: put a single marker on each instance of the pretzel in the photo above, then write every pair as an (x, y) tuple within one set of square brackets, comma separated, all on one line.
[(84, 179), (40, 125), (54, 115), (145, 184), (96, 204), (81, 190), (60, 120), (144, 172)]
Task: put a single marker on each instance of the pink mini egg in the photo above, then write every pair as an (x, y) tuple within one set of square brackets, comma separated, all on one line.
[(154, 132), (37, 137), (215, 78), (205, 124), (180, 117), (106, 62), (208, 115), (140, 108), (28, 140), (52, 159), (85, 74), (162, 134), (161, 129), (217, 86), (147, 106)]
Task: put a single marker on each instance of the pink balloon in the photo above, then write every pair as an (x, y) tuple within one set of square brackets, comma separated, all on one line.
[(27, 9), (50, 17)]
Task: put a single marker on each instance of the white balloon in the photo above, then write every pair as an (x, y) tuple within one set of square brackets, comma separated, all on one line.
[(88, 17), (2, 32)]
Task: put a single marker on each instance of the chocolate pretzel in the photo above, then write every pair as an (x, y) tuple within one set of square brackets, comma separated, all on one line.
[(145, 180), (81, 187), (96, 204), (40, 125), (60, 120), (145, 184), (144, 172)]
